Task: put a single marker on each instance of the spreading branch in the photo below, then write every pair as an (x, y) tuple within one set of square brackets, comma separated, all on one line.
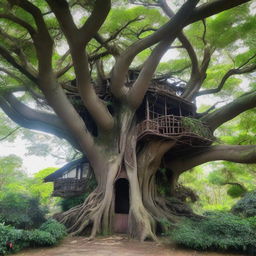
[(231, 72), (232, 153), (231, 110), (208, 9), (169, 30), (53, 92), (77, 40), (10, 59), (33, 119), (184, 40), (139, 88), (197, 79), (122, 64)]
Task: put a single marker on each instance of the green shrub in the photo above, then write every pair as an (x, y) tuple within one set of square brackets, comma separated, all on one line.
[(56, 229), (39, 238), (49, 234), (218, 231), (8, 233), (246, 206), (21, 211)]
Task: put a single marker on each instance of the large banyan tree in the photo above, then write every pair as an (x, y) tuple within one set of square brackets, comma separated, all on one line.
[(96, 72)]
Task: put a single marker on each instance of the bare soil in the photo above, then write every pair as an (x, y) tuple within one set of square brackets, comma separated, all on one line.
[(114, 246)]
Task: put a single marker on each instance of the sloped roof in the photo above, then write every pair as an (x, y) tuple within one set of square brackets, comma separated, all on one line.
[(67, 167)]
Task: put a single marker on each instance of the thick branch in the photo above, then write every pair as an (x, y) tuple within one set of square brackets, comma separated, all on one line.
[(25, 63), (8, 57), (96, 19), (64, 70), (184, 40), (18, 21), (170, 29), (137, 92), (77, 43), (53, 92), (231, 110), (33, 119), (197, 79), (11, 74), (213, 7), (231, 72), (237, 154)]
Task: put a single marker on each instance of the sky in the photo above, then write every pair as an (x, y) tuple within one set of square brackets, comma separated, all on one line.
[(31, 163)]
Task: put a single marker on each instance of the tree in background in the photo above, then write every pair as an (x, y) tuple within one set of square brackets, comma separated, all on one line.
[(24, 200), (60, 52)]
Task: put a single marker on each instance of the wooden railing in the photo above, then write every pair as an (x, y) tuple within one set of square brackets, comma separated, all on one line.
[(171, 126), (69, 187)]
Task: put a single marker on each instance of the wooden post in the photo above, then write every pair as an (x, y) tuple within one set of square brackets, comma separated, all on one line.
[(147, 114), (180, 110), (147, 108)]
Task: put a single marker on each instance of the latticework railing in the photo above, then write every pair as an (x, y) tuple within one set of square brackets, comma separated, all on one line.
[(69, 187), (173, 126)]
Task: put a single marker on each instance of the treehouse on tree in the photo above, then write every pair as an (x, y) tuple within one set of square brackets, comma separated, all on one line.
[(162, 114)]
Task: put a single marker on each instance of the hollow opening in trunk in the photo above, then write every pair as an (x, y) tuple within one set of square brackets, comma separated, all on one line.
[(122, 205), (122, 201)]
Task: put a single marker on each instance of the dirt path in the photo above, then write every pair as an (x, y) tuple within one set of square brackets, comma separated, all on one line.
[(113, 246)]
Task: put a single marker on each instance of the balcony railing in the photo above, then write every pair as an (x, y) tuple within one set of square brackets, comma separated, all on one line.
[(67, 187), (173, 126)]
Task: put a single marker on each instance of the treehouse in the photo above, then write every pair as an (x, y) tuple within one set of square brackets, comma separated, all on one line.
[(164, 114), (70, 180)]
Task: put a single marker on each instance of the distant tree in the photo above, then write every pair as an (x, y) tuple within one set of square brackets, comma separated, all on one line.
[(64, 53), (10, 170)]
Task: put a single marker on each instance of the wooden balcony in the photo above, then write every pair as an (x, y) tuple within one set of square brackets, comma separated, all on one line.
[(171, 126), (67, 187)]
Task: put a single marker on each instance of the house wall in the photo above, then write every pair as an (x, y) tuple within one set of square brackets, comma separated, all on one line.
[(78, 172), (70, 174), (85, 170)]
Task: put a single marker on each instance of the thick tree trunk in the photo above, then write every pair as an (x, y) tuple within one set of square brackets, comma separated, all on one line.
[(146, 210)]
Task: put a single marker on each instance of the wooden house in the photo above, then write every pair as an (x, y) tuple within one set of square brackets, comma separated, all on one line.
[(70, 180)]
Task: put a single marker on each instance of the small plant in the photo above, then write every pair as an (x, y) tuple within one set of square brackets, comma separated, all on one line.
[(195, 126)]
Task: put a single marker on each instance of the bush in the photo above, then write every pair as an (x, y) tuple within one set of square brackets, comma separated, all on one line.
[(39, 238), (21, 211), (56, 229), (246, 206), (49, 234), (8, 233), (218, 231)]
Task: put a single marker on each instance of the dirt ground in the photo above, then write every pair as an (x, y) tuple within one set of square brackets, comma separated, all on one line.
[(113, 246)]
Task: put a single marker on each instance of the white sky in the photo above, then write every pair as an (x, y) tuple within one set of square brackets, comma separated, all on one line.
[(31, 164)]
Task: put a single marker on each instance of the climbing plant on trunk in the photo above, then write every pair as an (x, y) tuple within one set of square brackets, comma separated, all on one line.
[(92, 63)]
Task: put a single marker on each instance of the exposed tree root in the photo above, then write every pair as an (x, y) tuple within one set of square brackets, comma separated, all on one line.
[(147, 209)]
